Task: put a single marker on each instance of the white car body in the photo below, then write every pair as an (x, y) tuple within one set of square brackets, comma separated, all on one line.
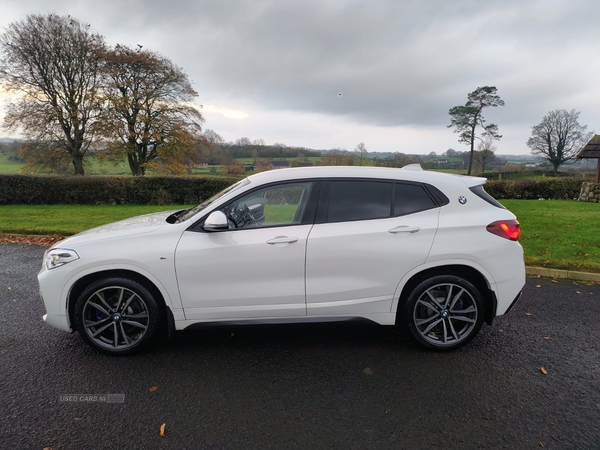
[(321, 271)]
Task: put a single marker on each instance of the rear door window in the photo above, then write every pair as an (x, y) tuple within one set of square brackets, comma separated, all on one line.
[(359, 200)]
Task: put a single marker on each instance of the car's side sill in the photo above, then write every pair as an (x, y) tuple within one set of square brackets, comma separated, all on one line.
[(381, 319)]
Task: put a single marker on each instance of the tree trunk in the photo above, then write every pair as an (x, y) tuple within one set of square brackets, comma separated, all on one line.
[(134, 165), (473, 127), (77, 163), (470, 161)]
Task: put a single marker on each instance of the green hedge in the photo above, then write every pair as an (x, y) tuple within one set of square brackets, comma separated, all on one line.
[(548, 188), (49, 190)]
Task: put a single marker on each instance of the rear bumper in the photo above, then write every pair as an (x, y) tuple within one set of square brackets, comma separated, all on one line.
[(508, 272), (514, 302)]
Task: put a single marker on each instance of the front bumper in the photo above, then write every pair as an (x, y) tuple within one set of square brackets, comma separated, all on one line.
[(51, 292)]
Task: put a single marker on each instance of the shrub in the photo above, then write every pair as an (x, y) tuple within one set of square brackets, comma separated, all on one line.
[(548, 188), (49, 190)]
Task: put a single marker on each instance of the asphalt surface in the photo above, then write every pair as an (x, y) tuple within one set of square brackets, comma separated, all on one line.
[(305, 386)]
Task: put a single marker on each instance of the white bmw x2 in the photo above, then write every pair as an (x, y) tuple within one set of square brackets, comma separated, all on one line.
[(427, 250)]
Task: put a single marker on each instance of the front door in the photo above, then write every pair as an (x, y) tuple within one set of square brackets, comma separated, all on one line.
[(254, 270)]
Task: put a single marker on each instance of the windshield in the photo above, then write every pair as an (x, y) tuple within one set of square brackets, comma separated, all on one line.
[(196, 209)]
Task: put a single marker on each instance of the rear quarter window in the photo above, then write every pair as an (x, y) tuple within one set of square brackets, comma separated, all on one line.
[(410, 199)]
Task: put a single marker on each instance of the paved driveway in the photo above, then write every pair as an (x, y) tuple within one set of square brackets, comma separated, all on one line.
[(311, 386)]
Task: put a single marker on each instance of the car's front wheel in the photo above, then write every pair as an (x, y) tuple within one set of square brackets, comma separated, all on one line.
[(444, 312), (116, 315)]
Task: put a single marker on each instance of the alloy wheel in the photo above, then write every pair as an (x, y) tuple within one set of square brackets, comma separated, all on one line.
[(445, 314), (115, 318)]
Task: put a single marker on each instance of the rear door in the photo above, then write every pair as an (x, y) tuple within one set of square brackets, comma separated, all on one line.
[(367, 235)]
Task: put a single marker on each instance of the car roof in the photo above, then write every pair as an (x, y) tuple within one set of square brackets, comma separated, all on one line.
[(412, 172)]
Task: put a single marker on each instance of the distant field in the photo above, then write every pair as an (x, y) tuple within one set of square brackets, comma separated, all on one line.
[(95, 167), (7, 166), (92, 167)]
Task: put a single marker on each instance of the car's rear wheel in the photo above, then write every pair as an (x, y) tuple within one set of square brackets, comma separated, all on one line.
[(444, 312), (116, 315)]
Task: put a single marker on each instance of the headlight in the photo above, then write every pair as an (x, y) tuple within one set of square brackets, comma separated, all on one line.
[(59, 257)]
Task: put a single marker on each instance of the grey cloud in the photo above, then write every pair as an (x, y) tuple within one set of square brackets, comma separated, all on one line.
[(397, 63)]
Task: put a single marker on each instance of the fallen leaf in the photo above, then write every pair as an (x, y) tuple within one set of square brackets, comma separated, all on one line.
[(541, 444), (538, 276), (554, 281), (78, 419), (368, 371), (577, 292), (591, 293), (153, 389), (547, 338), (162, 429), (47, 448), (9, 288), (528, 314), (544, 371), (538, 286)]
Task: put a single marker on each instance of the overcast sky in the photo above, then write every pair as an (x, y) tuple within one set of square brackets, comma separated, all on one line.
[(333, 73)]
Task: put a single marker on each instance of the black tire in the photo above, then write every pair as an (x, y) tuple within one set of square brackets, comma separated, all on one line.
[(444, 312), (117, 316)]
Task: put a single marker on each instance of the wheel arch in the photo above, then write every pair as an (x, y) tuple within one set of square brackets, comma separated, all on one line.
[(469, 273), (167, 319)]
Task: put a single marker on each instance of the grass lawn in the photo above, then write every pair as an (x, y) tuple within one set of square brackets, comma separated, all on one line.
[(559, 234), (68, 219)]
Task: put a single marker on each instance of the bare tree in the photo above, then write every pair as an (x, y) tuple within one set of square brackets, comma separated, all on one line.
[(211, 147), (148, 118), (338, 157), (52, 64), (257, 147), (361, 150), (558, 137), (213, 137), (467, 118), (485, 152), (243, 142), (400, 160)]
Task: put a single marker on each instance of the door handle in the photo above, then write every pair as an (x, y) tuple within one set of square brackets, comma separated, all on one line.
[(404, 229), (282, 240)]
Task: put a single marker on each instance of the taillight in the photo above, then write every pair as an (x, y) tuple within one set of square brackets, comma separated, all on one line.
[(507, 229)]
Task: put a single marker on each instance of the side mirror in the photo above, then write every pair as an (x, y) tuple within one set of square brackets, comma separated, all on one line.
[(216, 221)]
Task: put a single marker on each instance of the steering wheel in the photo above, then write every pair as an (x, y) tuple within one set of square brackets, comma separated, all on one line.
[(240, 215)]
